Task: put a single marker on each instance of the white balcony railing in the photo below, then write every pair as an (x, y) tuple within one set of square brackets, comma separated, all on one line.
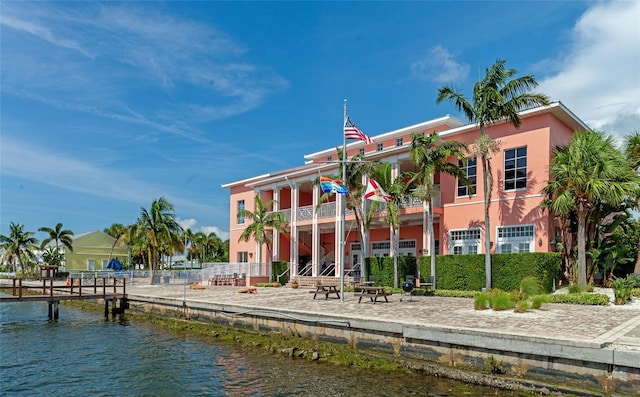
[(328, 210)]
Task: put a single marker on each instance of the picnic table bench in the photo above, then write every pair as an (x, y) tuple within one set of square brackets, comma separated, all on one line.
[(373, 293), (325, 290)]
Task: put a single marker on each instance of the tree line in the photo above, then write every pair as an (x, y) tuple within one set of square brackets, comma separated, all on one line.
[(153, 239)]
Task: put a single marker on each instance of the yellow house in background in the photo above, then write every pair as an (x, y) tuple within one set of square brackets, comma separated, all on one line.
[(91, 252)]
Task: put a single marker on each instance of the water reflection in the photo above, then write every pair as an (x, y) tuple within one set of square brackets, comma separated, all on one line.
[(82, 354)]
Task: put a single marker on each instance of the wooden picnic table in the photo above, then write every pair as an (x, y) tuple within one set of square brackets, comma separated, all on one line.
[(325, 290), (373, 293)]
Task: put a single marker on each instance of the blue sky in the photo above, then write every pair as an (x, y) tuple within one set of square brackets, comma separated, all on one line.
[(108, 106)]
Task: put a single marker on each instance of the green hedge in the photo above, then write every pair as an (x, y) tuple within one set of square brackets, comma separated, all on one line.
[(466, 272), (382, 268), (277, 268)]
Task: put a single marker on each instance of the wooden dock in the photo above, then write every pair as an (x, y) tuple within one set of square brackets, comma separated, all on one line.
[(53, 292)]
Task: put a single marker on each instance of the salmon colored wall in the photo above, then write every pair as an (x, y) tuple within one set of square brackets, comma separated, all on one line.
[(305, 198), (285, 198), (235, 230)]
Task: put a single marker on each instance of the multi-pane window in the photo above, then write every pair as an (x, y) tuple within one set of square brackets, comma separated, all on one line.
[(464, 241), (361, 150), (240, 208), (243, 257), (91, 265), (381, 248), (515, 168), (379, 147), (470, 167), (329, 158), (384, 245), (407, 247), (515, 238), (399, 142)]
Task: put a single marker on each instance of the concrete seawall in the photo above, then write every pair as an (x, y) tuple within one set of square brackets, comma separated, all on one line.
[(594, 348)]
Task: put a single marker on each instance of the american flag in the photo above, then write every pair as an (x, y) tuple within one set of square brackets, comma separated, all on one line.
[(351, 131)]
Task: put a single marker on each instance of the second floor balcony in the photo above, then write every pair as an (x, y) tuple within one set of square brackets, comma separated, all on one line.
[(329, 210)]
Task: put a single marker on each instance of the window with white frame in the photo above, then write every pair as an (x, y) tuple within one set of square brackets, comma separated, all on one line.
[(104, 264), (381, 248), (407, 247), (329, 158), (240, 208), (399, 142), (243, 257), (379, 147), (361, 150), (515, 239), (515, 168), (91, 265), (470, 167), (464, 241)]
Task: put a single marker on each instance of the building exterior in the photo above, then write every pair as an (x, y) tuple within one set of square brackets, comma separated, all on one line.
[(92, 250), (518, 224)]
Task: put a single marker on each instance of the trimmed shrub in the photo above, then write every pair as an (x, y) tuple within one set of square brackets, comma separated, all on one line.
[(481, 301), (579, 299), (450, 293), (467, 272), (522, 306), (537, 301)]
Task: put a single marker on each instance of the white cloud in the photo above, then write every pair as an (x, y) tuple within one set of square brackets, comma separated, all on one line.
[(439, 66), (598, 75), (180, 65), (191, 224)]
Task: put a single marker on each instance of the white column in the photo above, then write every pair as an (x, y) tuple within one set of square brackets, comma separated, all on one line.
[(294, 229), (315, 233), (276, 234)]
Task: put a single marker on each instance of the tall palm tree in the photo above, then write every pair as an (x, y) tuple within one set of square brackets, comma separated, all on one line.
[(431, 156), (587, 173), (632, 151), (58, 235), (498, 96), (189, 244), (396, 188), (18, 246), (159, 226), (263, 220), (118, 231)]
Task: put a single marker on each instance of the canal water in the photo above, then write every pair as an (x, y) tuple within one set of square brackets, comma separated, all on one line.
[(82, 354)]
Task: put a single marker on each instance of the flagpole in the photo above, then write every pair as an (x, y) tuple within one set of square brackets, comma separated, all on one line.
[(343, 203)]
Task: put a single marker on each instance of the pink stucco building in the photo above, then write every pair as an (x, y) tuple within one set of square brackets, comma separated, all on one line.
[(518, 224)]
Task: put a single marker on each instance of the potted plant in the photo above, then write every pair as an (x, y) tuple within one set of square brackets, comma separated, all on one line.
[(294, 283)]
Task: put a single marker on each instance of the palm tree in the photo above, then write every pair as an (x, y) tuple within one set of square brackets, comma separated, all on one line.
[(396, 188), (117, 231), (208, 246), (589, 172), (632, 151), (18, 245), (189, 241), (497, 97), (356, 168), (431, 156), (58, 235), (158, 226), (263, 219)]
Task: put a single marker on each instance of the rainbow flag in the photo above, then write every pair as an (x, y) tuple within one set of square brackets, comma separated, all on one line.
[(329, 185)]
